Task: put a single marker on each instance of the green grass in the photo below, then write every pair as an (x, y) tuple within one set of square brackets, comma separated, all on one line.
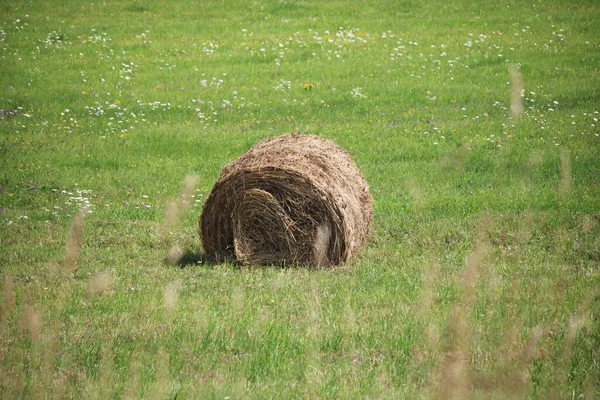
[(482, 275)]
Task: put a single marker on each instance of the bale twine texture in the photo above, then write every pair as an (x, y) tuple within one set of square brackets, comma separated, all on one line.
[(291, 200)]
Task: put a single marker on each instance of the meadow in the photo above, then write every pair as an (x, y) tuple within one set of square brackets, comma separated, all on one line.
[(474, 123)]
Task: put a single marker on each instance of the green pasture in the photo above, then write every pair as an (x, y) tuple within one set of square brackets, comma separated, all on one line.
[(481, 279)]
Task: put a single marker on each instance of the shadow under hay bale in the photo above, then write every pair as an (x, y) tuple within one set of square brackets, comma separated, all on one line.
[(291, 200)]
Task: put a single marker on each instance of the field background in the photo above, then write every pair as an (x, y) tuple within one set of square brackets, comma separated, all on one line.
[(481, 279)]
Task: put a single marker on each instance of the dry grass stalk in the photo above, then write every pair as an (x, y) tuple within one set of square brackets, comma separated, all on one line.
[(535, 160), (426, 349), (74, 241), (105, 378), (471, 271), (8, 297), (455, 160), (564, 185), (416, 193), (161, 388), (587, 302), (51, 349), (100, 387), (173, 214), (314, 374), (516, 91), (320, 245), (238, 299), (587, 223), (41, 369), (314, 310), (100, 283), (31, 321), (575, 324), (174, 255), (171, 296), (559, 242), (517, 377), (455, 381), (524, 232), (279, 281), (179, 206), (429, 277), (529, 349), (460, 157), (433, 335), (350, 323), (511, 370), (383, 384), (268, 205), (590, 391), (133, 381)]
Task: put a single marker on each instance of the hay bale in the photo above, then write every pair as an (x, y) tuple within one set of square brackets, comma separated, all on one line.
[(289, 200)]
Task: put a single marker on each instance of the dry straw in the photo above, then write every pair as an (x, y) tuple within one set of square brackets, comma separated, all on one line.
[(171, 296), (31, 321), (174, 255), (74, 241), (516, 91), (8, 297), (100, 283), (455, 375), (289, 200), (564, 185), (179, 206)]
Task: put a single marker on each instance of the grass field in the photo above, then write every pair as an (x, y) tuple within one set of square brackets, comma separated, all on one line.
[(475, 124)]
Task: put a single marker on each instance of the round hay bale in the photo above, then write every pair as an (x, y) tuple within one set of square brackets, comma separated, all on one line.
[(291, 200)]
